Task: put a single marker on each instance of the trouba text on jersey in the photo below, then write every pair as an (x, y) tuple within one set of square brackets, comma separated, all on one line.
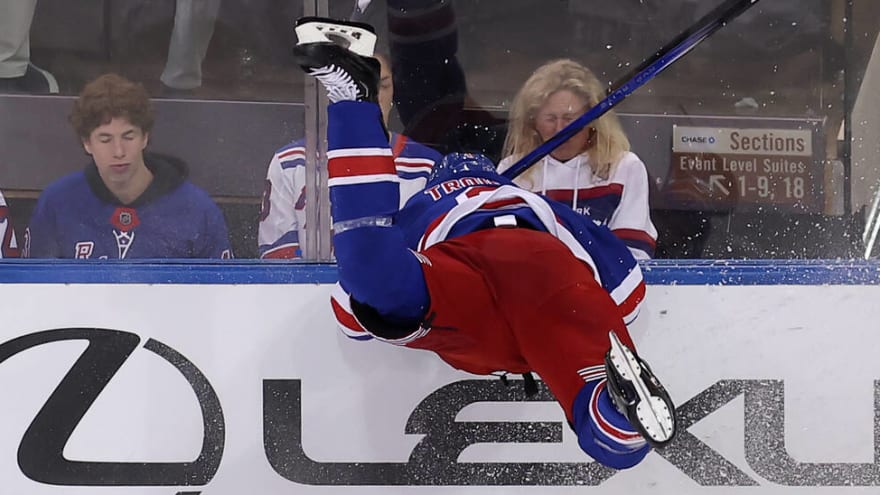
[(450, 186)]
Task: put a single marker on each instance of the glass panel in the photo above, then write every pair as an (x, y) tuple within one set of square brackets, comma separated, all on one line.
[(770, 90), (225, 96), (774, 90)]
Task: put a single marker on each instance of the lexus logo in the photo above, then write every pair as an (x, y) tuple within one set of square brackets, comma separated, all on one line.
[(434, 461), (41, 451)]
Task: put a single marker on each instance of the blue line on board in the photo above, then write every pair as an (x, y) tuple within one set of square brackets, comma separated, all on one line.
[(241, 272)]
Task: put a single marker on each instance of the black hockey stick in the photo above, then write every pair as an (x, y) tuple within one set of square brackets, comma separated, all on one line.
[(637, 77)]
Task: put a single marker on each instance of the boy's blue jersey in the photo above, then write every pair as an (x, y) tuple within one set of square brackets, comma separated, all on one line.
[(75, 218)]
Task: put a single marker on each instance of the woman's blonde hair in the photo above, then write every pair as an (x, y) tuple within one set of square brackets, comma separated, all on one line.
[(609, 142)]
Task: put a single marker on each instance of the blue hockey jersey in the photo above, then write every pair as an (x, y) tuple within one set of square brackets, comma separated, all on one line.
[(449, 208), (78, 217), (363, 191)]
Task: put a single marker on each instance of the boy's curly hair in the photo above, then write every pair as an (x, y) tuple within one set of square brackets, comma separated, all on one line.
[(108, 97)]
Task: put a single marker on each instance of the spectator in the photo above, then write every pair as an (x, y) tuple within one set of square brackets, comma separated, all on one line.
[(193, 29), (372, 12), (433, 101), (594, 172), (9, 246), (17, 73), (125, 204), (282, 219)]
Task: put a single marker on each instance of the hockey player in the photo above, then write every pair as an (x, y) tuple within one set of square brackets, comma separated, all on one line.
[(487, 275), (125, 204), (9, 246), (282, 216)]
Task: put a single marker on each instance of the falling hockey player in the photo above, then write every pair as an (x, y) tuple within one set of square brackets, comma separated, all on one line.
[(487, 275)]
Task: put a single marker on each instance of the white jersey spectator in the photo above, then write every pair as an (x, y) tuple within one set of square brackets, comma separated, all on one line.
[(9, 248), (282, 219)]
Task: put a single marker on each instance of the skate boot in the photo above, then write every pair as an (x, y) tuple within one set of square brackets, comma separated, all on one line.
[(638, 394), (339, 54)]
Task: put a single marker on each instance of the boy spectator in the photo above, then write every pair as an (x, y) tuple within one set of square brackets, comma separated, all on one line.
[(125, 203)]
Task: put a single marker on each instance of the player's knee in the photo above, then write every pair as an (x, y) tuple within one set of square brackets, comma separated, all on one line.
[(603, 432)]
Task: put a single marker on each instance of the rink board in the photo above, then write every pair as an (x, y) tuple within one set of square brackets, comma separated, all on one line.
[(234, 380)]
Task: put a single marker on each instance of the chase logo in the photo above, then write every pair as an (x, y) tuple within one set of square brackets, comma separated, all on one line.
[(688, 139), (697, 139)]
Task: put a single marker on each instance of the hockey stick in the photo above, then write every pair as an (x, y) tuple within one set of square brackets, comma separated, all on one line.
[(646, 71)]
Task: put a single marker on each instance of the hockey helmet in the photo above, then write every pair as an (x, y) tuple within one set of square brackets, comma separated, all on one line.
[(455, 164)]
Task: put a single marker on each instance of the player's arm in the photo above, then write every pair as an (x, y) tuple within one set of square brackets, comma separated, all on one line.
[(382, 275), (384, 278), (282, 214), (631, 221)]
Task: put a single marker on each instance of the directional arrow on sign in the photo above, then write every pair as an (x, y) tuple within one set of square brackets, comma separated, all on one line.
[(716, 181)]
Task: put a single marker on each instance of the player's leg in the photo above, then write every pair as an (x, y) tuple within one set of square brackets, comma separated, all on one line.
[(339, 54), (638, 394), (561, 317), (375, 266)]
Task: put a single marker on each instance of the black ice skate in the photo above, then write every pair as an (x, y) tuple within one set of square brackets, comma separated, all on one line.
[(338, 53), (638, 394)]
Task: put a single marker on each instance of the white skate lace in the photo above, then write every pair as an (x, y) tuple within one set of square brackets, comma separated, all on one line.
[(339, 84)]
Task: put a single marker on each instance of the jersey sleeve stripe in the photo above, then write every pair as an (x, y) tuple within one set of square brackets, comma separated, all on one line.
[(345, 319), (409, 169), (413, 176), (428, 231), (420, 163), (630, 306), (634, 246), (635, 235), (615, 434), (358, 152), (592, 373), (282, 252), (292, 153), (363, 179), (358, 166), (628, 285)]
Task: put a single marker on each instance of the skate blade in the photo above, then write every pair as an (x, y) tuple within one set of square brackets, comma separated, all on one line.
[(653, 413), (356, 39)]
